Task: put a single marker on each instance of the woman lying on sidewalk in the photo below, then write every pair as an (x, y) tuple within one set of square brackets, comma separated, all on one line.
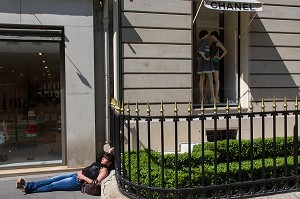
[(71, 182)]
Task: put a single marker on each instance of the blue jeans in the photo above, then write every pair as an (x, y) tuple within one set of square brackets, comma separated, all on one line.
[(66, 182)]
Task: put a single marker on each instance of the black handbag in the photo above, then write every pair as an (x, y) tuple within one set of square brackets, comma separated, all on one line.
[(93, 189)]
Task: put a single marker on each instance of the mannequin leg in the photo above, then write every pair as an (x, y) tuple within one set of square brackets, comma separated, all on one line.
[(217, 85), (211, 87), (201, 83)]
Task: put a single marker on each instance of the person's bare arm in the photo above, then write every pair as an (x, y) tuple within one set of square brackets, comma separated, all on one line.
[(102, 174), (220, 45), (203, 56), (81, 177)]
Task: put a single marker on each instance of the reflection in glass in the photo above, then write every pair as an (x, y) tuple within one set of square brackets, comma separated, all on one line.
[(30, 108)]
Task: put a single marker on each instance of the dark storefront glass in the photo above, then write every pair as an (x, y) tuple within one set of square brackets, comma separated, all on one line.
[(30, 106), (225, 24)]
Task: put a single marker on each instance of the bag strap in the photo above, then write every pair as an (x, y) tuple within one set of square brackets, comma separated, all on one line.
[(96, 182)]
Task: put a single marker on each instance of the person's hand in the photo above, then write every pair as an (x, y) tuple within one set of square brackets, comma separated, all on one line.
[(207, 59), (111, 150), (80, 175)]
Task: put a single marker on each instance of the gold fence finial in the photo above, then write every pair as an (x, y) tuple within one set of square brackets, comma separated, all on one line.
[(239, 105), (215, 106), (112, 102), (128, 109), (227, 106), (274, 104), (122, 108), (161, 109), (202, 107), (285, 104), (175, 109), (118, 106), (148, 109), (263, 105), (251, 105), (137, 110), (296, 104), (190, 108)]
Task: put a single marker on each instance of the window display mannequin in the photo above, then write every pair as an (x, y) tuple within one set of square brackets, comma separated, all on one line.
[(205, 66), (214, 50)]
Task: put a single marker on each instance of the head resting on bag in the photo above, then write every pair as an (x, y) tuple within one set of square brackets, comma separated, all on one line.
[(110, 158)]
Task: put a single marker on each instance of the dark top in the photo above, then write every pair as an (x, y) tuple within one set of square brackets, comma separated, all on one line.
[(92, 171), (214, 49), (203, 65)]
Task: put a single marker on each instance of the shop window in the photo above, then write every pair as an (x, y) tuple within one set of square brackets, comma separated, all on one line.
[(225, 24), (30, 99)]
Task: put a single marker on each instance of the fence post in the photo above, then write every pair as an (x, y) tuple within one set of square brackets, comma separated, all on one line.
[(240, 116), (285, 114), (251, 115), (175, 120), (202, 119), (296, 143), (215, 118), (162, 119), (263, 115), (122, 138), (227, 117), (137, 119), (148, 119), (189, 119), (128, 142), (274, 115)]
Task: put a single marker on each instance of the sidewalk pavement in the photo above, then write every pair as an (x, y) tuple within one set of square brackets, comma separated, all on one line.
[(109, 190), (8, 189), (291, 195)]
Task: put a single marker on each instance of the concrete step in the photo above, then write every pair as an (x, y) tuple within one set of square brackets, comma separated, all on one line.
[(109, 188)]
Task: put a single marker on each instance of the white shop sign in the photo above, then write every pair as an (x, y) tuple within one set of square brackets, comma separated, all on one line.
[(234, 5)]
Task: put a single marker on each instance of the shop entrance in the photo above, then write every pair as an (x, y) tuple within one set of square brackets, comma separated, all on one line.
[(31, 65)]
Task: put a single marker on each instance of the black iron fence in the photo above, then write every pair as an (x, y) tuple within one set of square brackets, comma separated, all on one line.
[(222, 154)]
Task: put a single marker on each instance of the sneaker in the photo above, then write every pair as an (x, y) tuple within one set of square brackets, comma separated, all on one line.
[(20, 183)]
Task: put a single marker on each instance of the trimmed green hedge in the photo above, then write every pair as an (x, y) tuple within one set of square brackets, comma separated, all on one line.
[(245, 152), (196, 160), (209, 178)]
